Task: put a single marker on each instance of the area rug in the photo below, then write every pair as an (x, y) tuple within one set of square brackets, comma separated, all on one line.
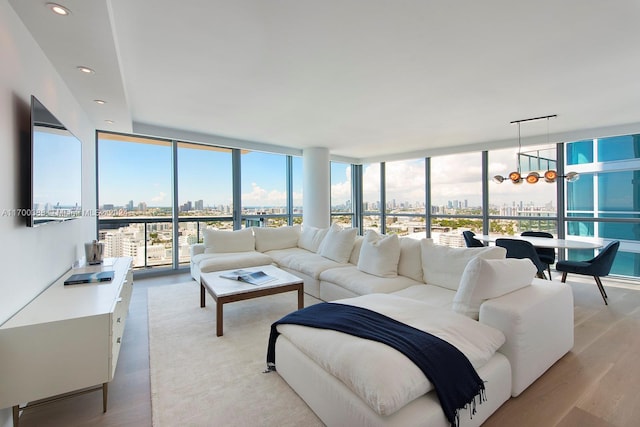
[(198, 379)]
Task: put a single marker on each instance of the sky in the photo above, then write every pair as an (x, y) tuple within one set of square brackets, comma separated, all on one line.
[(454, 177), (139, 172)]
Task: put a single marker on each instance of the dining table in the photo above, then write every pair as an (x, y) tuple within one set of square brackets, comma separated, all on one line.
[(543, 242)]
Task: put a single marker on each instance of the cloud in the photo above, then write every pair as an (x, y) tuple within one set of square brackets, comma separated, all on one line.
[(456, 177), (404, 181), (297, 198), (261, 197), (371, 182), (340, 191), (159, 198)]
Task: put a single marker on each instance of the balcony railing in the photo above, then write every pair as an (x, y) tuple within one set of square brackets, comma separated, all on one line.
[(150, 240)]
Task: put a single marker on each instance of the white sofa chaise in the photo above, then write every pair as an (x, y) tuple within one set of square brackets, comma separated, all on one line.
[(367, 383), (535, 316)]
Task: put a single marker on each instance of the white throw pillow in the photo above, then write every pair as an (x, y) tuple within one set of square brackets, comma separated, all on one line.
[(355, 252), (379, 255), (270, 239), (484, 279), (443, 266), (338, 243), (311, 238), (217, 241), (410, 262)]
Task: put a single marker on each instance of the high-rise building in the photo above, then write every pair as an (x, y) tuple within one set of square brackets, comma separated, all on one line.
[(608, 195), (130, 247), (452, 239), (113, 244)]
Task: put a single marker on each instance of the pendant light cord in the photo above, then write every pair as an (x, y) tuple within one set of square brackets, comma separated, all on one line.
[(519, 149)]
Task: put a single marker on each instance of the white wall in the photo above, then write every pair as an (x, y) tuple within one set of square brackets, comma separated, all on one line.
[(32, 258)]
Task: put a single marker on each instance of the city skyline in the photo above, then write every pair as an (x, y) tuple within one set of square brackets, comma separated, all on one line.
[(403, 206)]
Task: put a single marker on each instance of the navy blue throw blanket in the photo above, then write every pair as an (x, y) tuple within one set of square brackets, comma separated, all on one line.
[(454, 379)]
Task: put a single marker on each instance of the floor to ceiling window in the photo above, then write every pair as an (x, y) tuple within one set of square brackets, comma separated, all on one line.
[(297, 178), (372, 203), (514, 208), (205, 193), (405, 198), (341, 194), (605, 202), (456, 197), (135, 199), (264, 189), (156, 197)]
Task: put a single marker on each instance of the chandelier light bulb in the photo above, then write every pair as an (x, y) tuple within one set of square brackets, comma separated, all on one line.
[(572, 176), (533, 177), (550, 176)]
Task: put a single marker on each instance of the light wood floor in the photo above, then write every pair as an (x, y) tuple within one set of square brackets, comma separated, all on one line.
[(596, 384)]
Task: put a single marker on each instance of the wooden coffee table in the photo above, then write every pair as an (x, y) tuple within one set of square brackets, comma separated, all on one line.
[(225, 291)]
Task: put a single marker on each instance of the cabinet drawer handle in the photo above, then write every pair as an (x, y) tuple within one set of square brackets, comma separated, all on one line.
[(119, 299), (118, 340), (118, 320)]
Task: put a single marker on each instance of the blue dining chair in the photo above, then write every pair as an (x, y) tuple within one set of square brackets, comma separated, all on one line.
[(523, 249), (470, 241), (546, 255), (597, 267)]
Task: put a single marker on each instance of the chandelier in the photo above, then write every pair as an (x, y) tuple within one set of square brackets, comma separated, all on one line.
[(549, 176)]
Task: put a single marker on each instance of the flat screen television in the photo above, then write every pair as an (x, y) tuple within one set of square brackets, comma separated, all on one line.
[(56, 169)]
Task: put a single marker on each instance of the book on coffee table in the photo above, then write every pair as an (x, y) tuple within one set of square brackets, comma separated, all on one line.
[(102, 276), (252, 277)]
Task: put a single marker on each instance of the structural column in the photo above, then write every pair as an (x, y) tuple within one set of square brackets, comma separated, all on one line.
[(316, 193)]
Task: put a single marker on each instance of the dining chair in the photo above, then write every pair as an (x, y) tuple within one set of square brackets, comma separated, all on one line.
[(470, 241), (546, 255), (597, 267), (523, 249)]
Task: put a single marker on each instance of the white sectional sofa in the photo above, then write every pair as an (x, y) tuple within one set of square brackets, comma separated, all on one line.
[(535, 316)]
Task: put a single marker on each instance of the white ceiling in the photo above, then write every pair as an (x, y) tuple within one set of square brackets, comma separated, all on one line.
[(366, 78)]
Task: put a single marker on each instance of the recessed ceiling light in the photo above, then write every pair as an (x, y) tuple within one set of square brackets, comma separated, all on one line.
[(99, 101), (59, 10), (110, 122), (85, 70)]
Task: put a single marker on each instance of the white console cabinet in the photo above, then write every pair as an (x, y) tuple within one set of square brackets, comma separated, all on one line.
[(67, 339)]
